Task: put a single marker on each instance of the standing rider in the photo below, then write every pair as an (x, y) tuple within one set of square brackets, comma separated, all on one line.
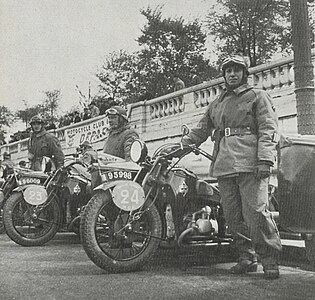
[(120, 136), (42, 143), (243, 124)]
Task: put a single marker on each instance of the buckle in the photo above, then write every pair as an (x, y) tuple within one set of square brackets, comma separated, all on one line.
[(227, 131)]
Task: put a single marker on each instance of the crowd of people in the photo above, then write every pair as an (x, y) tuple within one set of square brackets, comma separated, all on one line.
[(94, 109)]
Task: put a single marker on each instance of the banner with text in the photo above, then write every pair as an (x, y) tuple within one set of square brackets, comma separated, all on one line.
[(94, 131)]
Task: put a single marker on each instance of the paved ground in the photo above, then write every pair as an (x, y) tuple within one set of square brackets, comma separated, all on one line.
[(61, 270)]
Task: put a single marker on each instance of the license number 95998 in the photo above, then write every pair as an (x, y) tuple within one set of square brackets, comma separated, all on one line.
[(115, 175)]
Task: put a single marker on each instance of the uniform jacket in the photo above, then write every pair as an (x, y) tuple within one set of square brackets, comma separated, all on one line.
[(249, 109), (44, 144), (119, 141)]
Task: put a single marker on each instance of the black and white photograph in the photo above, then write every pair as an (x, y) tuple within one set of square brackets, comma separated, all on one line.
[(157, 149)]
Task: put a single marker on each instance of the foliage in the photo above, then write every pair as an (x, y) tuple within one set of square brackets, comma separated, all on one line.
[(119, 76), (171, 47), (168, 47), (6, 116), (28, 112), (6, 119), (253, 28), (47, 109), (51, 105)]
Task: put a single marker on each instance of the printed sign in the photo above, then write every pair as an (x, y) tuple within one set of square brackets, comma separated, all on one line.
[(93, 132)]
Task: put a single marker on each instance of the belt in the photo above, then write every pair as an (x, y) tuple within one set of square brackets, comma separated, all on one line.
[(228, 131)]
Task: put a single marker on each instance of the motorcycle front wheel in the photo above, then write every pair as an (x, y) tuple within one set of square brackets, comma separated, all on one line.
[(29, 225), (2, 229), (116, 240)]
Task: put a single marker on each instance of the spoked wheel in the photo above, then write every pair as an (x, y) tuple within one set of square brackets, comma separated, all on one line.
[(116, 240), (2, 229), (29, 225)]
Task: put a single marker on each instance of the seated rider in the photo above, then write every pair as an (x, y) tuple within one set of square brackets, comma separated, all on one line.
[(121, 136)]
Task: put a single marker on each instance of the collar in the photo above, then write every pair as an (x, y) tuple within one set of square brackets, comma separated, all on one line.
[(242, 88), (39, 134), (119, 130)]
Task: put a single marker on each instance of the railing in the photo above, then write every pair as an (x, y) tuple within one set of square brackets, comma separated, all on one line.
[(159, 120)]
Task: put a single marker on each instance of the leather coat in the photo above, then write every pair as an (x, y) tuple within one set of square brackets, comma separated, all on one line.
[(249, 116), (119, 141), (44, 144)]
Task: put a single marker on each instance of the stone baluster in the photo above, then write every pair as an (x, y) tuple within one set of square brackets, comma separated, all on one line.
[(266, 80), (274, 78)]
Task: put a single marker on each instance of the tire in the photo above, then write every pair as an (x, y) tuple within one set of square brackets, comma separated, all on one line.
[(310, 250), (101, 219), (2, 229), (25, 230)]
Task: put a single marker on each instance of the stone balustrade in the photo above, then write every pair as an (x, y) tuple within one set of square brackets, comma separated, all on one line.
[(159, 120)]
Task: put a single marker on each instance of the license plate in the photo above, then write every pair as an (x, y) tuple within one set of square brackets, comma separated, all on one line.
[(118, 175)]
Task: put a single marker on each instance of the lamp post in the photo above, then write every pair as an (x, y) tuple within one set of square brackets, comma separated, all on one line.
[(303, 67)]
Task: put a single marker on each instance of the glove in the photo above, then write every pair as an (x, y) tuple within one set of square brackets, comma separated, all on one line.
[(263, 171)]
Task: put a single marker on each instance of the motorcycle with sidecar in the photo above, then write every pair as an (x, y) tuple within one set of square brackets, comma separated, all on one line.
[(17, 177), (42, 204), (135, 207)]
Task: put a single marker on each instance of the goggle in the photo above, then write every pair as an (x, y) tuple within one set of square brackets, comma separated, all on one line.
[(111, 111), (234, 60), (36, 123)]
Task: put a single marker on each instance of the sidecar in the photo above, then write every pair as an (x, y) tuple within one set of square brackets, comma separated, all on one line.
[(296, 189)]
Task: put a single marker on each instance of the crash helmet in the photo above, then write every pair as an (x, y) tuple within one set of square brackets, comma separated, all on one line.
[(117, 110), (235, 60), (85, 144), (36, 119)]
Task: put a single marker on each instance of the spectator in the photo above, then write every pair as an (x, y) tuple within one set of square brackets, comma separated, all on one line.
[(195, 79), (145, 95), (76, 117), (178, 83), (94, 109), (86, 114)]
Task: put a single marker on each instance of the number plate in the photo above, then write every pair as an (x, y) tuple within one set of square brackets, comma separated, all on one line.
[(35, 195), (118, 175), (128, 195)]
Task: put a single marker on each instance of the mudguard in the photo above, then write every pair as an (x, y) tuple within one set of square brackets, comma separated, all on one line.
[(23, 187), (126, 194)]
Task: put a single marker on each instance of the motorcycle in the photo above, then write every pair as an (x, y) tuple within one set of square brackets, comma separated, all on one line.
[(34, 213), (134, 209), (16, 177)]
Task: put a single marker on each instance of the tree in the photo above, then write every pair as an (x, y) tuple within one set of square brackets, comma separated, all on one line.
[(169, 47), (51, 105), (6, 119), (28, 112), (253, 28), (6, 116), (119, 76)]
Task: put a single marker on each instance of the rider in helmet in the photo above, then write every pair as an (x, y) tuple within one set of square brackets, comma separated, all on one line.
[(89, 155), (42, 143), (238, 63), (120, 136), (243, 125), (7, 164)]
